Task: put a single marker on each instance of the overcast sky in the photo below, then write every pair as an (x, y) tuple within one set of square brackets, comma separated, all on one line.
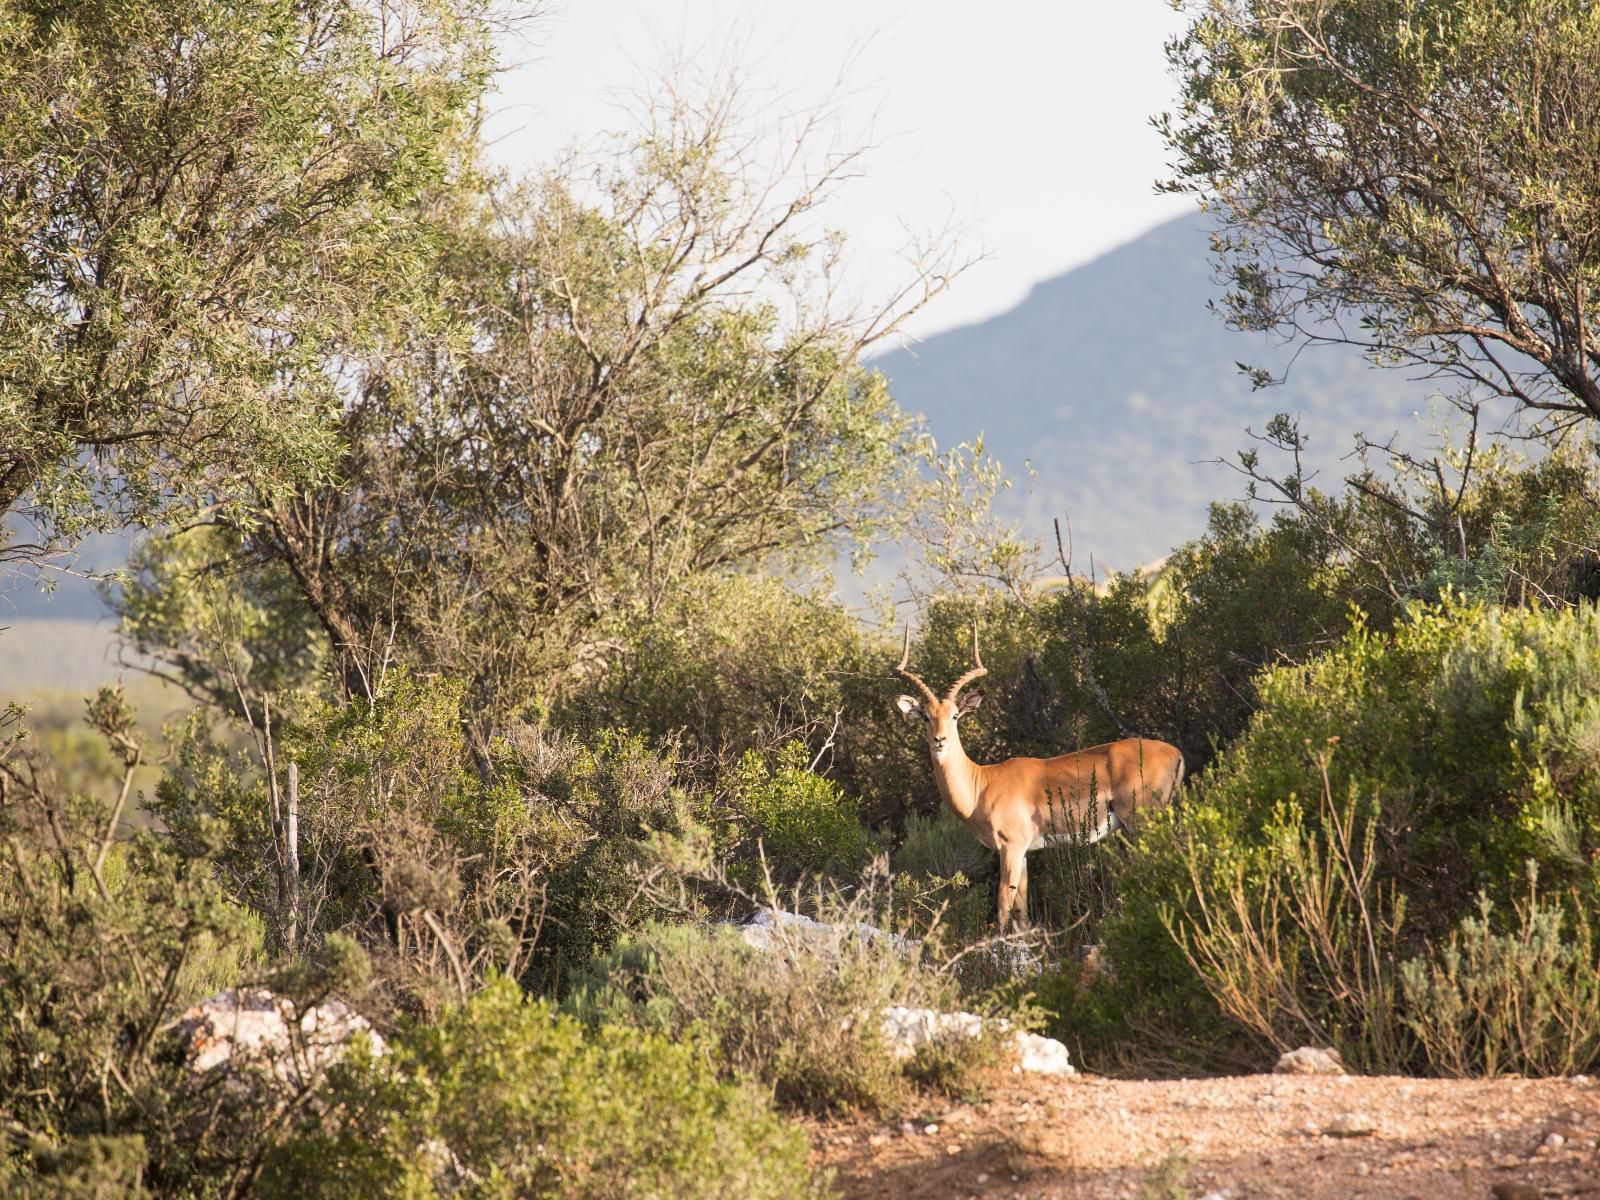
[(1023, 122)]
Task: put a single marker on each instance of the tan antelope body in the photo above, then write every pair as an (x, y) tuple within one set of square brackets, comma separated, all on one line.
[(1025, 803)]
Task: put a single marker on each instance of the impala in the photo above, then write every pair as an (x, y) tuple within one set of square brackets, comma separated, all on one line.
[(1025, 803)]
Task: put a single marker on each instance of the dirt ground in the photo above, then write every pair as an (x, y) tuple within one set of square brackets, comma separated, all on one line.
[(1306, 1138)]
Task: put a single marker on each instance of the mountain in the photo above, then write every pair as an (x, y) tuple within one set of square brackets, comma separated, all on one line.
[(1119, 389)]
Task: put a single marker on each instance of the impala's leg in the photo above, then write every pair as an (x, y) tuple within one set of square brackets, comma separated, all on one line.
[(1013, 879), (1022, 893)]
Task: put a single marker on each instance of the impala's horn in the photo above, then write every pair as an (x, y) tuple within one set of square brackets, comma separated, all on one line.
[(900, 669), (977, 672)]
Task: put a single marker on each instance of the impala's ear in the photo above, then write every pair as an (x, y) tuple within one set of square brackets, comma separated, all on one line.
[(968, 702), (910, 705)]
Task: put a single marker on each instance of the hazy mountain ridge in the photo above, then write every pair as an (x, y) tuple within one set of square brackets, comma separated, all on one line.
[(1116, 384)]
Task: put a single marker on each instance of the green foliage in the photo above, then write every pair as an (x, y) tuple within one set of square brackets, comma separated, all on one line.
[(1179, 654), (1523, 1001), (738, 663), (91, 1167), (939, 847), (1377, 170), (217, 629), (801, 823), (447, 868), (799, 1017), (601, 808), (199, 205), (637, 394), (1299, 943), (100, 945), (1448, 753), (505, 1098)]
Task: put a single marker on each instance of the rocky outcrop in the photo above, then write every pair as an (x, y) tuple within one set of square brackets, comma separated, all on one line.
[(252, 1035)]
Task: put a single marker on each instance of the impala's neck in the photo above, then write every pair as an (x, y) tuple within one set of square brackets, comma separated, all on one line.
[(957, 777)]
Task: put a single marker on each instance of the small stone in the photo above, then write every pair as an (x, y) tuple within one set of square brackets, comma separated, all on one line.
[(877, 1139), (1554, 1142), (1350, 1125), (930, 1129), (982, 1178), (952, 1148), (1363, 1168), (1310, 1060)]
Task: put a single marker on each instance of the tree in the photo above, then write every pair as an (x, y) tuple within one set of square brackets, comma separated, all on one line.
[(197, 202), (1417, 177), (649, 379)]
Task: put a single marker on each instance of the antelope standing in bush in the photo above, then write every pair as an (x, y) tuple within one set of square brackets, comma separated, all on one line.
[(1025, 803)]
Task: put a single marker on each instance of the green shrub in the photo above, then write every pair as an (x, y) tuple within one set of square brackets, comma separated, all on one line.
[(506, 1098), (946, 877), (596, 810), (741, 663), (800, 1017), (90, 1167), (803, 824), (1524, 1001), (1298, 941), (448, 865), (1467, 743), (101, 944)]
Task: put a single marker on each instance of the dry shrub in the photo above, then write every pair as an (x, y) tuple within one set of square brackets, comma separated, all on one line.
[(801, 1016), (1523, 1001)]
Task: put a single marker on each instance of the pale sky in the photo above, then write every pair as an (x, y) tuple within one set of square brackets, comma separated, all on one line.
[(1025, 123)]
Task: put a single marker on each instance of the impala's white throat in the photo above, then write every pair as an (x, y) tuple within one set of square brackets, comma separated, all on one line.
[(1106, 828)]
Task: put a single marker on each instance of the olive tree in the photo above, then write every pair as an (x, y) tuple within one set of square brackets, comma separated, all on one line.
[(198, 201), (650, 378), (1419, 177)]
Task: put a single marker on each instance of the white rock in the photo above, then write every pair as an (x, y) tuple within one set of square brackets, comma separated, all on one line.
[(1310, 1060), (1350, 1125), (773, 929), (249, 1030), (909, 1028)]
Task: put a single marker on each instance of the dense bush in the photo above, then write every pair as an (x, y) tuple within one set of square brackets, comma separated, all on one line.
[(1379, 792), (100, 945), (503, 1097), (446, 867), (1176, 652), (784, 822), (1524, 999), (740, 663), (801, 1016), (597, 808)]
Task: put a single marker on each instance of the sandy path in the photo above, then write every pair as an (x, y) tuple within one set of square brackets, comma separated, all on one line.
[(1241, 1137)]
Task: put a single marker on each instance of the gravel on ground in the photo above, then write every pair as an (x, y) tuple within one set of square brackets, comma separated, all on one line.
[(1237, 1138)]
